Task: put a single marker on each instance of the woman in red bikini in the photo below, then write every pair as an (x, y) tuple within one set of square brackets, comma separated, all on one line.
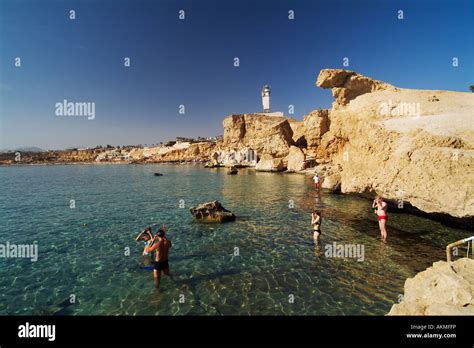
[(380, 208)]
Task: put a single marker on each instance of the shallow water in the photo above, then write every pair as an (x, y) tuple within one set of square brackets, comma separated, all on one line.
[(277, 257)]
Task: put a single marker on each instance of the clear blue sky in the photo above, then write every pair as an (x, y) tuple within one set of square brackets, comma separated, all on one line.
[(190, 62)]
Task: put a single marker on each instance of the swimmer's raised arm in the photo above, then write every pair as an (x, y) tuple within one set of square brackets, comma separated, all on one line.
[(151, 248)]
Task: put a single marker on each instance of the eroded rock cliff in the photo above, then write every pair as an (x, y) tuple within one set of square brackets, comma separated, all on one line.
[(414, 146), (270, 135), (347, 85)]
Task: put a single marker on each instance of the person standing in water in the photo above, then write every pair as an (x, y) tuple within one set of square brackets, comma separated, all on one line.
[(161, 248), (148, 240), (316, 180), (380, 208), (316, 222)]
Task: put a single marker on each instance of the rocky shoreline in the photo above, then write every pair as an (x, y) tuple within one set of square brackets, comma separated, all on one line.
[(410, 146), (443, 289)]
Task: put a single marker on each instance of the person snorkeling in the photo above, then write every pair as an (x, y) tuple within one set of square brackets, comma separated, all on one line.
[(160, 245), (316, 222), (147, 235), (380, 208), (147, 238)]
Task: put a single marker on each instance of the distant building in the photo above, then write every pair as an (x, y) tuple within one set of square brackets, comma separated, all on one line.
[(266, 98), (266, 104)]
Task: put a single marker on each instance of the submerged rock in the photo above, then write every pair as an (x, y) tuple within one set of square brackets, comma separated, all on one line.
[(232, 171), (212, 212), (443, 289)]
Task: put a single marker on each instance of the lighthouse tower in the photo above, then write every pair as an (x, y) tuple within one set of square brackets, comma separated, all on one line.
[(266, 98)]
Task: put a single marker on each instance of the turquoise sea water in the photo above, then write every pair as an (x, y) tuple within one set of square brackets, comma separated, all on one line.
[(277, 257)]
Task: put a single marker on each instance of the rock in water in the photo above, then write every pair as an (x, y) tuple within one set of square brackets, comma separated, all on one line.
[(158, 174), (212, 212), (232, 171)]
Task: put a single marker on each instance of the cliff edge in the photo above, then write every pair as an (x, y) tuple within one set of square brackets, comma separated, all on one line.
[(443, 289), (415, 146)]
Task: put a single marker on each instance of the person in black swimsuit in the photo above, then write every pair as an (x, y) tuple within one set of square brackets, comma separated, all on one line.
[(316, 222)]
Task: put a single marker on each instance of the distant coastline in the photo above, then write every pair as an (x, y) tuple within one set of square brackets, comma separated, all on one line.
[(377, 139), (443, 218)]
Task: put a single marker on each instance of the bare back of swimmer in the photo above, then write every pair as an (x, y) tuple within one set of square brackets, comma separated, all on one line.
[(161, 248)]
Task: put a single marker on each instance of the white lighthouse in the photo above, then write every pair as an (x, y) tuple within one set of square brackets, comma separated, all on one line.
[(266, 98)]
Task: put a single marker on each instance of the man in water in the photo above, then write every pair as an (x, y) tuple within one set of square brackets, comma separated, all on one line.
[(380, 208), (161, 247)]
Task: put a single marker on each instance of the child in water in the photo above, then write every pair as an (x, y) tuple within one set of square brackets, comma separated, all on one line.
[(316, 222)]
